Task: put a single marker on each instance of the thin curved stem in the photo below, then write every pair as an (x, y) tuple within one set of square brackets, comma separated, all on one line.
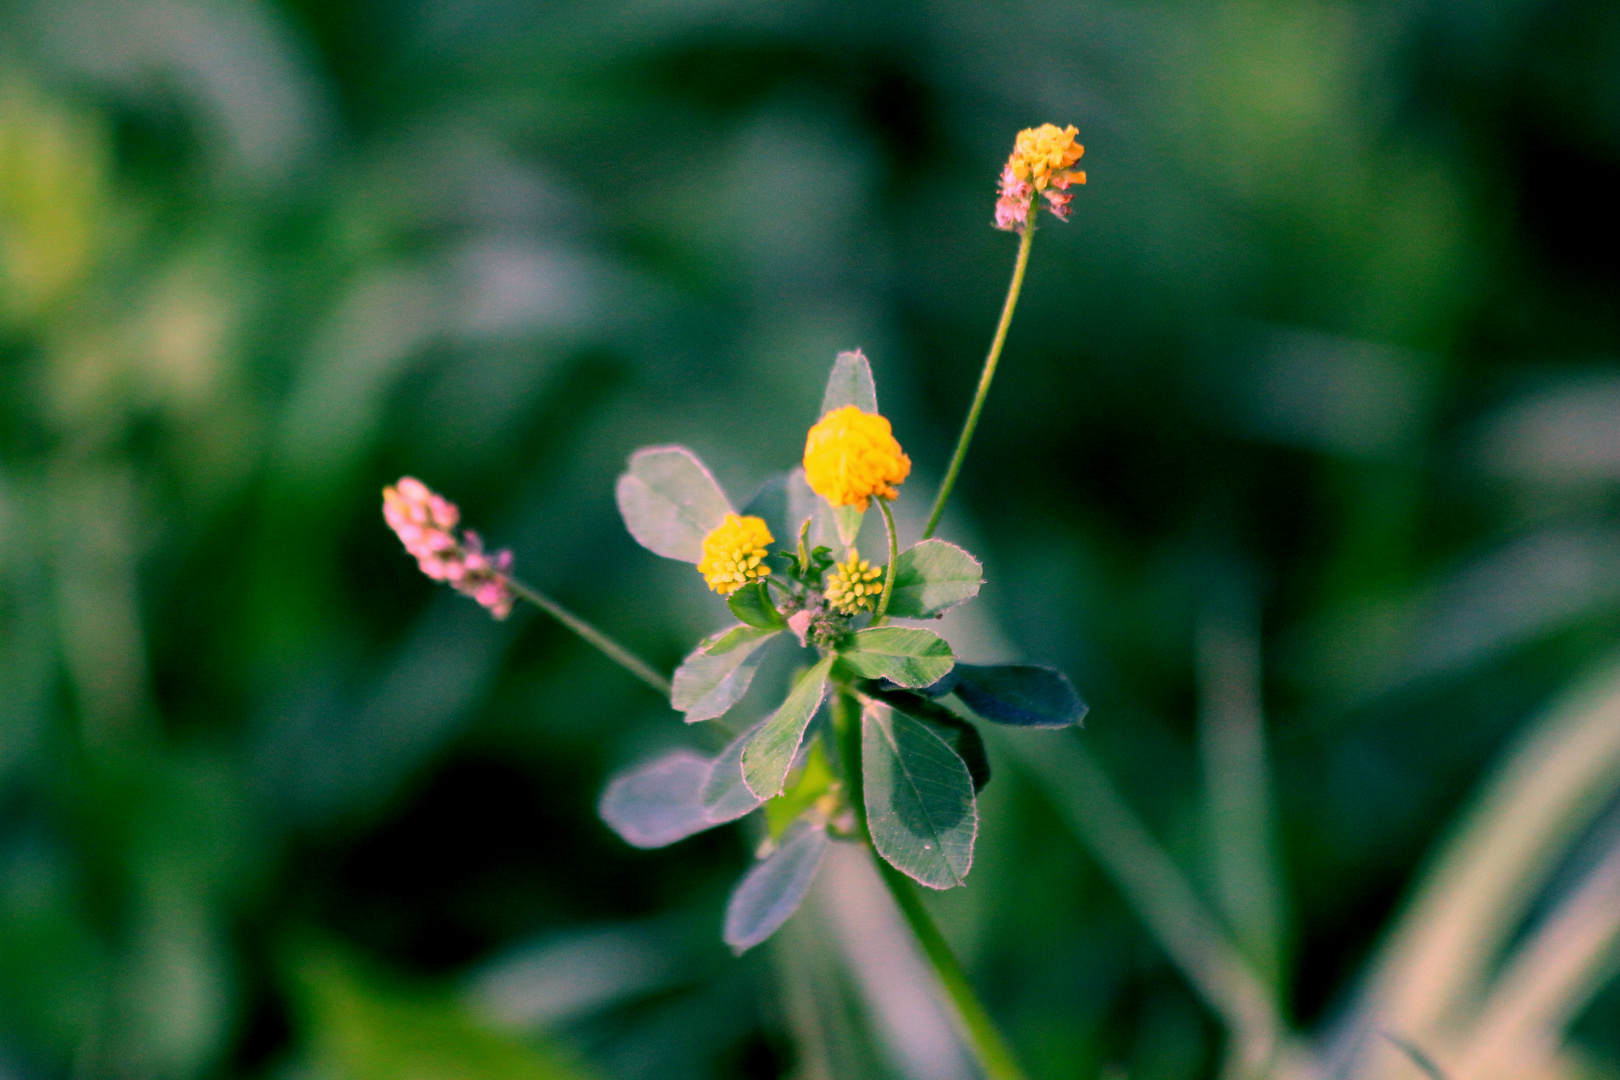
[(612, 649), (993, 1054), (989, 373), (894, 556)]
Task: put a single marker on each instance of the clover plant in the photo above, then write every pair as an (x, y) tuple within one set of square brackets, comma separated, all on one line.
[(873, 742)]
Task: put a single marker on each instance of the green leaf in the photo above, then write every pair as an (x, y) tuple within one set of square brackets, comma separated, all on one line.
[(769, 753), (850, 384), (931, 578), (717, 674), (904, 655), (776, 886), (752, 604), (724, 795), (660, 802), (920, 807), (670, 502), (959, 734), (1025, 695)]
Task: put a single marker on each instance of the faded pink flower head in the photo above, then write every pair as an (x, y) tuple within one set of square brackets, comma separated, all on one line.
[(426, 524), (1043, 158), (1012, 209)]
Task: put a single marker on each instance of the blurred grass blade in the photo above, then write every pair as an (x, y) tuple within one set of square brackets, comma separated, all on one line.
[(1160, 895), (1417, 1056), (1544, 794), (356, 1027), (1237, 787), (1551, 977)]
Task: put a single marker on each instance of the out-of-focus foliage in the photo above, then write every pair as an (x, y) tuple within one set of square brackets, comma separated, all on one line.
[(1329, 349)]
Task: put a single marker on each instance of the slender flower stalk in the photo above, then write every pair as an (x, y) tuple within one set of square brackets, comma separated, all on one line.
[(610, 648), (1041, 167), (428, 525), (882, 613), (985, 377)]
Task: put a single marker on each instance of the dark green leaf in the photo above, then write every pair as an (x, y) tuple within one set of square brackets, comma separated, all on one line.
[(931, 578), (670, 502), (658, 803), (752, 604), (1025, 695), (775, 887), (904, 655), (717, 674), (959, 734), (769, 754), (850, 384), (919, 798)]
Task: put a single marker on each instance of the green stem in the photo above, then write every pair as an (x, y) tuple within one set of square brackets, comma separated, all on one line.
[(995, 1058), (846, 720), (894, 557), (978, 1030), (988, 373), (614, 651)]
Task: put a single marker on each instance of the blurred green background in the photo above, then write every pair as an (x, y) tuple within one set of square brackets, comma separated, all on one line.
[(1330, 350)]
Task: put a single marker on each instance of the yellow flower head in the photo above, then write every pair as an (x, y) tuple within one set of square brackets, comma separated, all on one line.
[(852, 455), (734, 553), (854, 586), (1042, 153)]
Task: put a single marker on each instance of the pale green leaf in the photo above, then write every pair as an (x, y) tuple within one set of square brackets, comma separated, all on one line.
[(850, 384), (906, 656), (769, 754), (660, 802), (724, 795), (775, 887), (670, 502), (717, 673), (931, 578)]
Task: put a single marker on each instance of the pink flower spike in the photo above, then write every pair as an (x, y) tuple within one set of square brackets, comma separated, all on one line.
[(412, 490), (426, 524), (443, 512)]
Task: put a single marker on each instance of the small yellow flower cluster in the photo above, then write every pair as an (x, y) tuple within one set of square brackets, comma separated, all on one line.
[(851, 456), (1041, 153), (854, 586), (734, 553)]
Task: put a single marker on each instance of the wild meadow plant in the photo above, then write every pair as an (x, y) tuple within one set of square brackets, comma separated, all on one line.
[(893, 767), (1506, 937)]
